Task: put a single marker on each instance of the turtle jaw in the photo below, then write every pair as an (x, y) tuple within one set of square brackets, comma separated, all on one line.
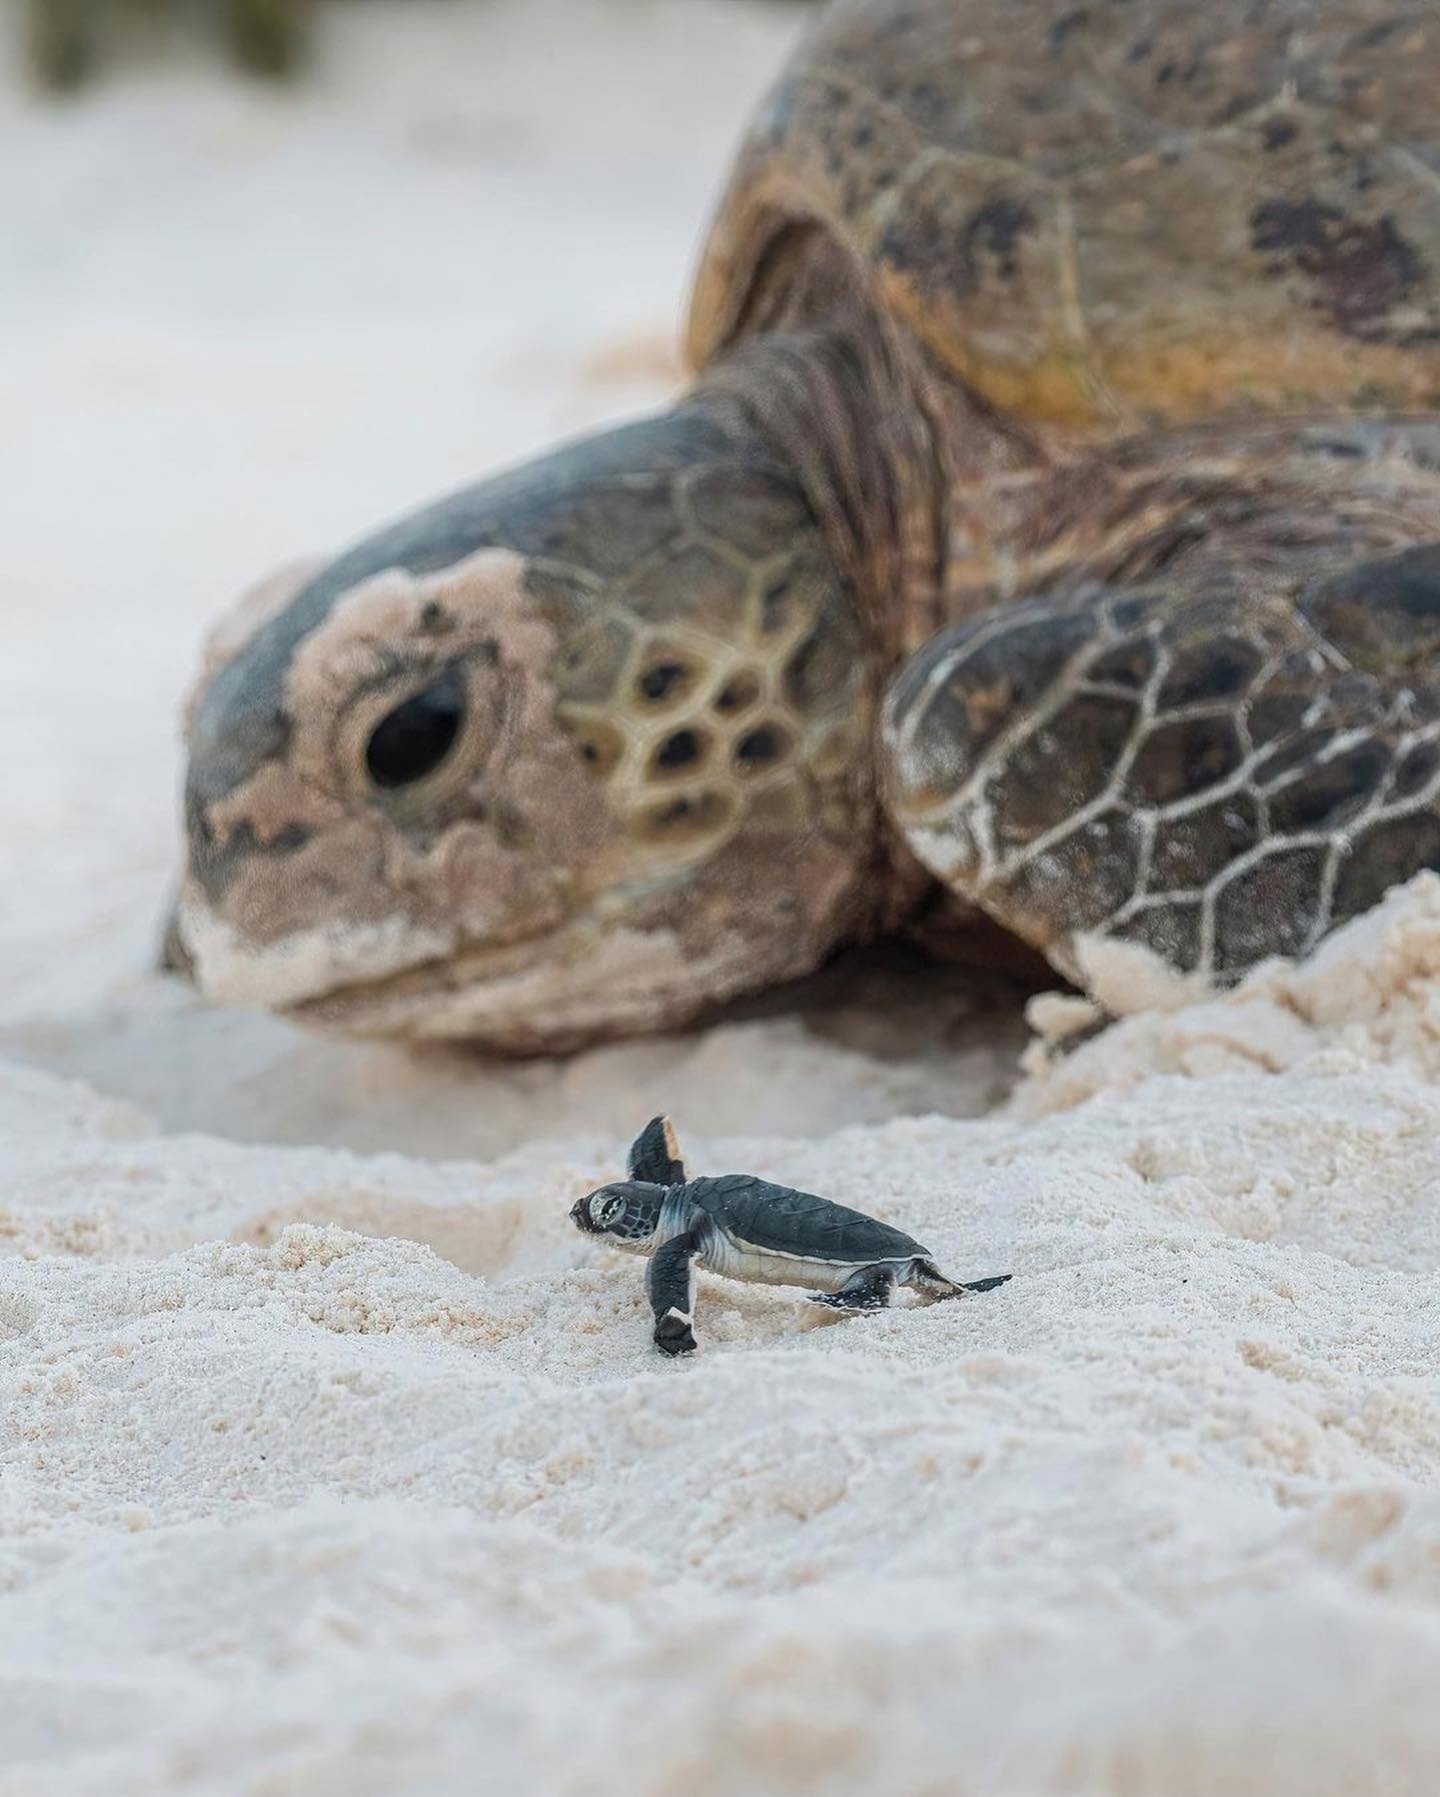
[(621, 961), (554, 992), (603, 956)]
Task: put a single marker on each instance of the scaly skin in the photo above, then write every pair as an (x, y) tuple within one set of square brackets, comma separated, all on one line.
[(1070, 372), (660, 795)]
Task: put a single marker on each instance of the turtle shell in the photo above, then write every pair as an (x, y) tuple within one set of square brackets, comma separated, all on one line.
[(1105, 214), (781, 1220)]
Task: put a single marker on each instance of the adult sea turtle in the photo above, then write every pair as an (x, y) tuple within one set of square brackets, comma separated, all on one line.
[(1053, 528)]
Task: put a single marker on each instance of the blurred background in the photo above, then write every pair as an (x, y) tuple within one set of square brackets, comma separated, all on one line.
[(68, 41), (273, 272)]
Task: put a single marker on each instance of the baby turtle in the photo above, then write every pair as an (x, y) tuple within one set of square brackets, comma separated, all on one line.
[(746, 1228), (1053, 529)]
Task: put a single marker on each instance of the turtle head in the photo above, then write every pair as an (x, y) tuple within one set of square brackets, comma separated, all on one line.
[(571, 754), (627, 1213)]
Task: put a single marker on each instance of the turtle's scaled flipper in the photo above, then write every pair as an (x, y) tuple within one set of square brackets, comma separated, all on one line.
[(670, 1282), (927, 1279), (655, 1154), (869, 1288)]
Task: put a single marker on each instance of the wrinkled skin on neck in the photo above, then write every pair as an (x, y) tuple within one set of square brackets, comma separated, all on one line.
[(574, 753)]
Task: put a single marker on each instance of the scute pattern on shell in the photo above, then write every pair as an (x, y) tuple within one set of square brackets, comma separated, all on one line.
[(1107, 214), (781, 1220)]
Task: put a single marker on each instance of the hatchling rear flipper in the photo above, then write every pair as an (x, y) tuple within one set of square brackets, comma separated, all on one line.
[(872, 1288), (868, 1288), (925, 1277), (1213, 771), (655, 1154)]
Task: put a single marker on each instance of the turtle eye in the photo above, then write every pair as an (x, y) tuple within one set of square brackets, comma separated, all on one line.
[(606, 1211), (411, 741)]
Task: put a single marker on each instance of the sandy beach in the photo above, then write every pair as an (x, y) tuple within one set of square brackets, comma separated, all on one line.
[(332, 1459)]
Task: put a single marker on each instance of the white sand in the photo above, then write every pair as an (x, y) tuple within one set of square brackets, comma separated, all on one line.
[(336, 1472)]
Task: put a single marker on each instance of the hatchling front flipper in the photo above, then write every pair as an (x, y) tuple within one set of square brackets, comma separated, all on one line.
[(1214, 772), (670, 1282), (655, 1154)]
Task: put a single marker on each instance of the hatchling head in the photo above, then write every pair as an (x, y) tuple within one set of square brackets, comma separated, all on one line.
[(626, 1214)]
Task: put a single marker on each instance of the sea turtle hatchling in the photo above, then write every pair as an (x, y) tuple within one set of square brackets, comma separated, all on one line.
[(1053, 528), (746, 1228)]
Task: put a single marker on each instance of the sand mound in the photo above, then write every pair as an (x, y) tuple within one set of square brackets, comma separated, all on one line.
[(323, 1472)]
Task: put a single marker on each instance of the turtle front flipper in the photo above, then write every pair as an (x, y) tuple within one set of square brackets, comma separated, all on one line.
[(1220, 764), (655, 1155), (670, 1282)]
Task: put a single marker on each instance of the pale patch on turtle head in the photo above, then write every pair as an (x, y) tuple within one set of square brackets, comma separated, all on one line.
[(419, 798), (556, 761)]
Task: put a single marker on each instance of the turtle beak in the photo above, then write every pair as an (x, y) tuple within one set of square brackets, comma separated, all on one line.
[(580, 1215)]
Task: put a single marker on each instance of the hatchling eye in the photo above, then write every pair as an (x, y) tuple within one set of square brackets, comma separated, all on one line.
[(605, 1211), (411, 741)]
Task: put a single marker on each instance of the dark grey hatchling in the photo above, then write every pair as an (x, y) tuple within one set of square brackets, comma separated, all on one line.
[(1052, 530), (748, 1229)]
